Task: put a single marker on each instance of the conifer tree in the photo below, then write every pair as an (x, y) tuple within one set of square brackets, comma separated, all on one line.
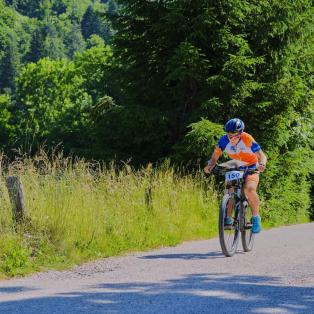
[(74, 41), (90, 23), (9, 62)]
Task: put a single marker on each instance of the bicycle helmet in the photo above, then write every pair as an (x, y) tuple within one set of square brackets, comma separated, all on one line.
[(234, 125)]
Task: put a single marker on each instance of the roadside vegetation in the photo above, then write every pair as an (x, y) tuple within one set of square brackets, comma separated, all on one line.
[(79, 210)]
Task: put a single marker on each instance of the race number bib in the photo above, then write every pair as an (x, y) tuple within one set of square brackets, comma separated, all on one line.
[(234, 175)]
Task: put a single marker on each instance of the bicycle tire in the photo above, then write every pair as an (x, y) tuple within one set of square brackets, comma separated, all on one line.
[(247, 236), (228, 238)]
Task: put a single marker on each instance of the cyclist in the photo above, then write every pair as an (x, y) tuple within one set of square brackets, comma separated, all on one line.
[(240, 145)]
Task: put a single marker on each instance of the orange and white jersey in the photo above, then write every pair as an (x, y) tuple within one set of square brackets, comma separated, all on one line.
[(244, 150)]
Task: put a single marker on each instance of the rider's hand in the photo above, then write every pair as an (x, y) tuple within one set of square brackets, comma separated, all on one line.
[(208, 169), (261, 167)]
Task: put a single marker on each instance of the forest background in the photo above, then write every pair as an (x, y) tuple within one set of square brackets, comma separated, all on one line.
[(141, 82)]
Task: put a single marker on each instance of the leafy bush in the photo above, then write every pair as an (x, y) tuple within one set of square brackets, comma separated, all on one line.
[(199, 143)]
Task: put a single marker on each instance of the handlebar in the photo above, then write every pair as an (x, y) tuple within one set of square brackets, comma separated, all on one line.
[(221, 171)]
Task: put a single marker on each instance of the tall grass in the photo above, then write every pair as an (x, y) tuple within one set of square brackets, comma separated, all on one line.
[(80, 210)]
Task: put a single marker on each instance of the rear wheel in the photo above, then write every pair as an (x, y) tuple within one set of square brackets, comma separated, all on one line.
[(228, 237), (246, 228)]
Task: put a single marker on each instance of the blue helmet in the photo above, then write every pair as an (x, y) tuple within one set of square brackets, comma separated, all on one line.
[(234, 125)]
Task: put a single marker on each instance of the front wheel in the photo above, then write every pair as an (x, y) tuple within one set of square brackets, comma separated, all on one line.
[(228, 237), (247, 235)]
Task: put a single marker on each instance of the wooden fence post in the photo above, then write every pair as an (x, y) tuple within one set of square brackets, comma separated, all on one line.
[(16, 194), (148, 193), (148, 198)]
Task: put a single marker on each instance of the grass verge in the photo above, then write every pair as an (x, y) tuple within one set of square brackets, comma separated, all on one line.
[(79, 211)]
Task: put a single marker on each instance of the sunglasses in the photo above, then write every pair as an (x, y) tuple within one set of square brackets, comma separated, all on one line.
[(233, 135)]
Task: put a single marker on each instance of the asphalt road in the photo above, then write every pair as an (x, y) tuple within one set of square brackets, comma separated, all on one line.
[(276, 277)]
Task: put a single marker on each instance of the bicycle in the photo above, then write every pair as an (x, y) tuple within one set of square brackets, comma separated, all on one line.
[(229, 234)]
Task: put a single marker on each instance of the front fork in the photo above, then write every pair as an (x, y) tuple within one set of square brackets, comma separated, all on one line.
[(239, 209), (234, 208)]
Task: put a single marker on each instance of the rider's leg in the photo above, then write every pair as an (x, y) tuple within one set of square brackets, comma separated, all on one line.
[(250, 187)]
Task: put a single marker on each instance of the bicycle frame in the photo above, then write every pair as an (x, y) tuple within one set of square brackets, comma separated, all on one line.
[(239, 198), (235, 200)]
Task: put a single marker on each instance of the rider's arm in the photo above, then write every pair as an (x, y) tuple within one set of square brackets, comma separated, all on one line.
[(262, 160), (212, 162)]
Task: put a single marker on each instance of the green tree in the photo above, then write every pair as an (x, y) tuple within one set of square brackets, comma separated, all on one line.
[(37, 45), (112, 6), (92, 23), (9, 61), (6, 128), (215, 59), (94, 41), (94, 65), (53, 46), (14, 44), (59, 7), (74, 41), (221, 59), (52, 103), (25, 7)]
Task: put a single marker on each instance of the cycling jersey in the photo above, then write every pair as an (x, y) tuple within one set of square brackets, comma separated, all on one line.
[(244, 150)]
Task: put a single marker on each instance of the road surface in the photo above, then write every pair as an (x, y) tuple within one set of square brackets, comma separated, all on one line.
[(194, 277)]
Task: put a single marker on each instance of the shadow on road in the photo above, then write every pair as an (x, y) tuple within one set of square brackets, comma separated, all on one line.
[(16, 289), (196, 293), (187, 256)]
